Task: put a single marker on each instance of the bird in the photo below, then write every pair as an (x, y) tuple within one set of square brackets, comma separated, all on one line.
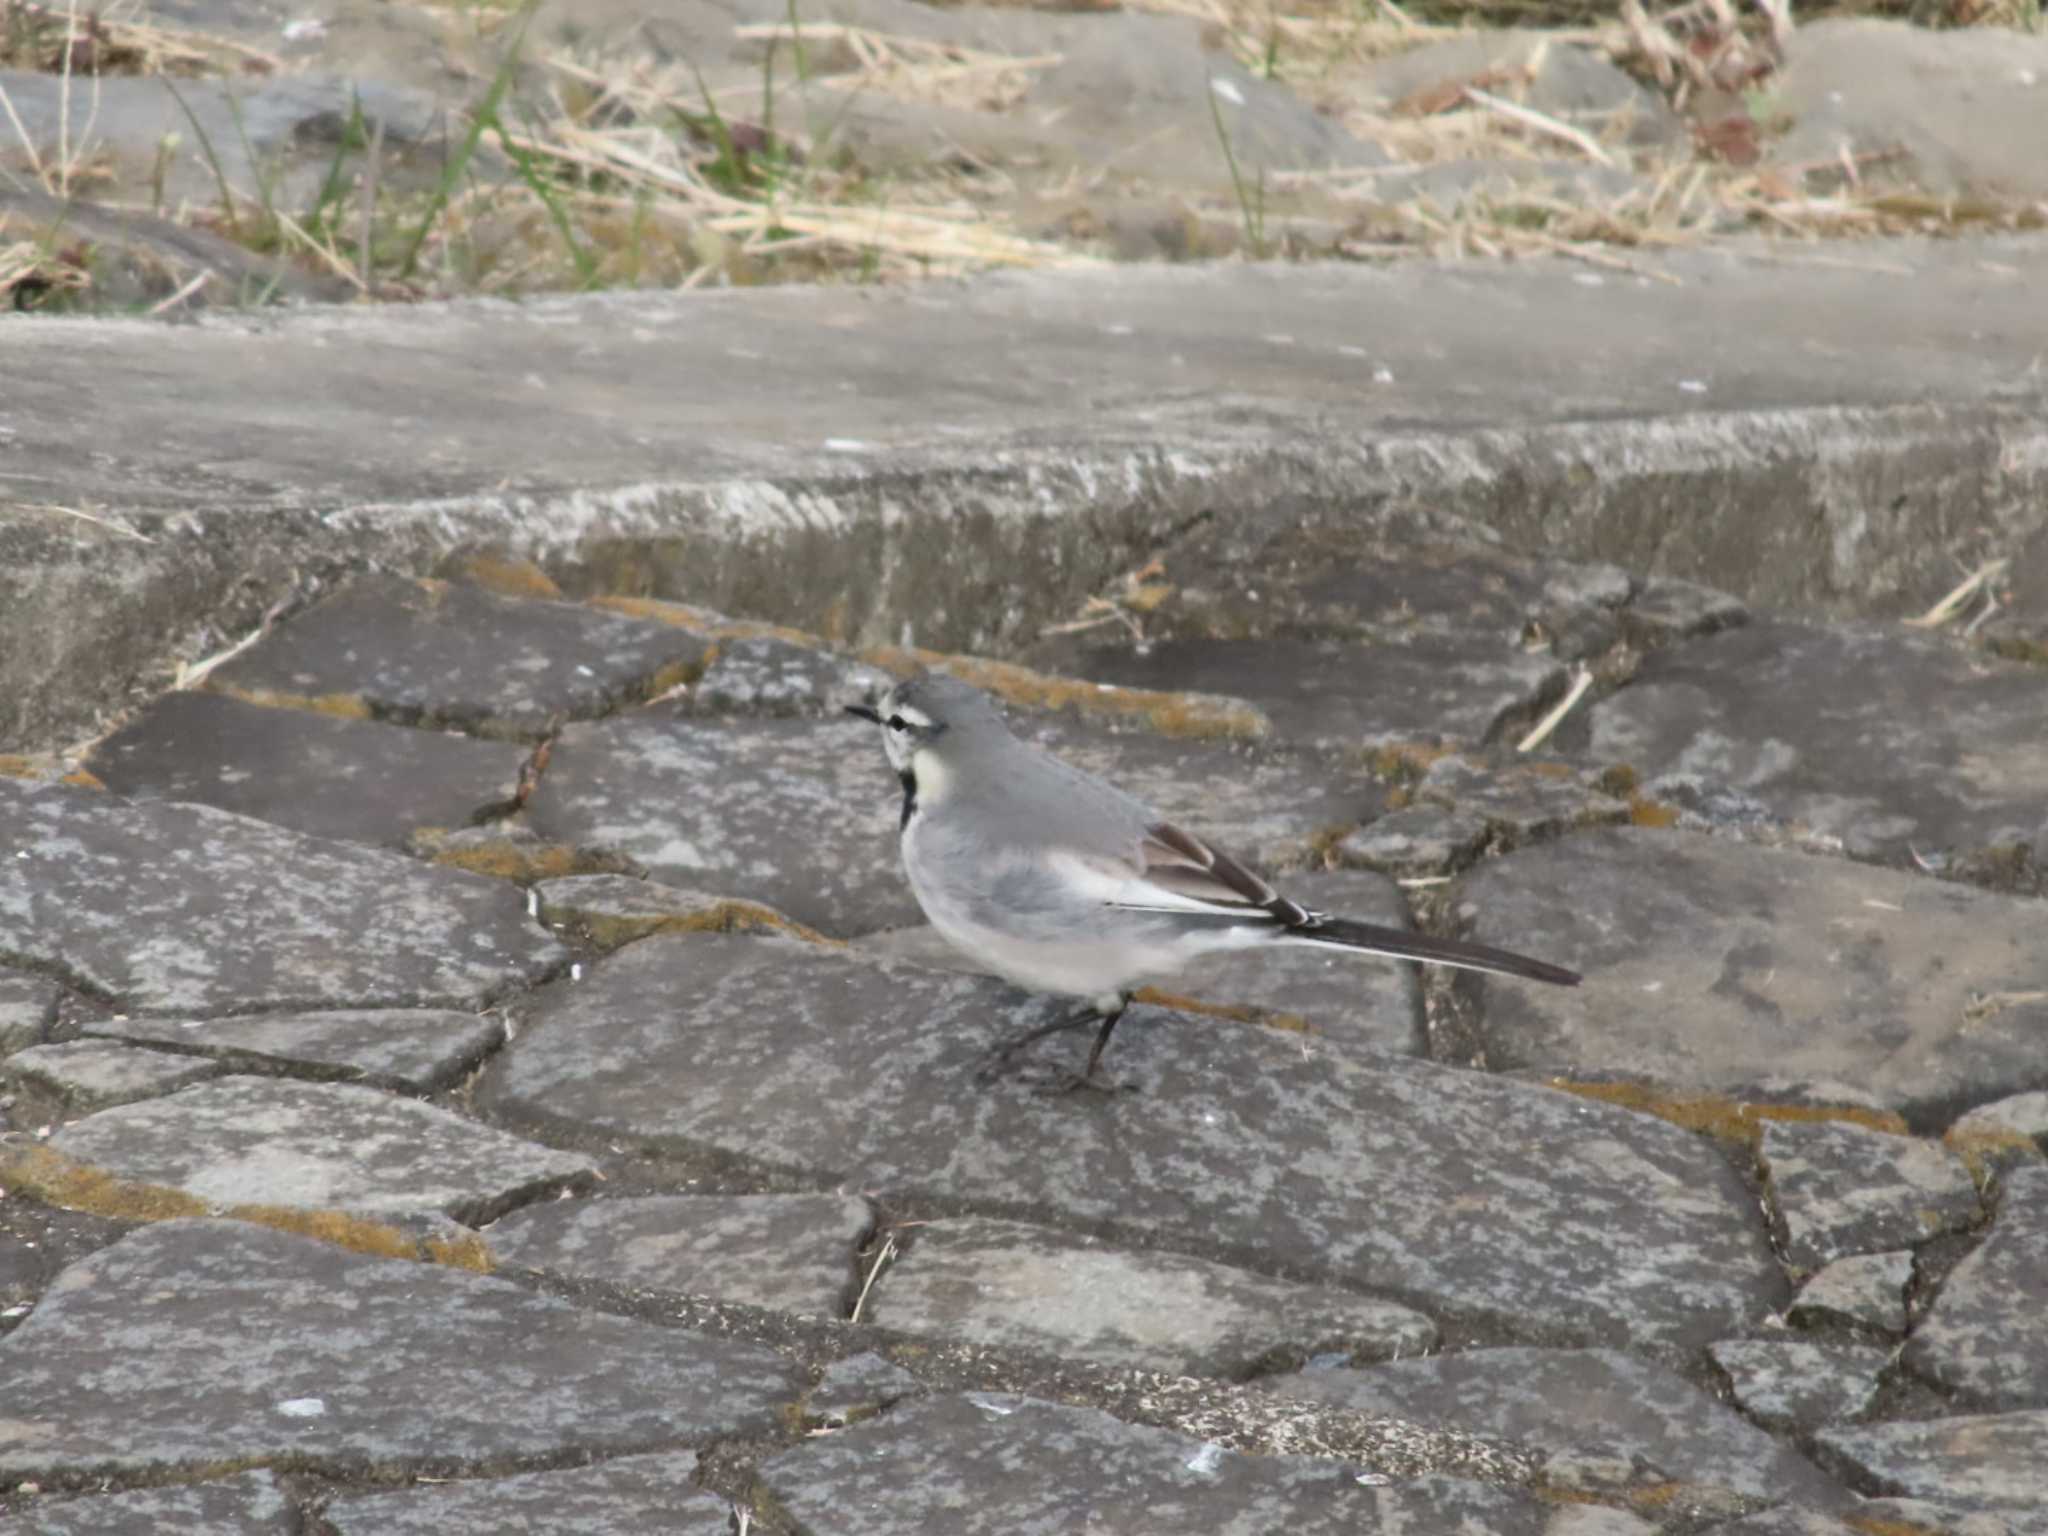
[(1059, 882)]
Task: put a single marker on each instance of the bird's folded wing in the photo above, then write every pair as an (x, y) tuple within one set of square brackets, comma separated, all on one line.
[(1175, 871)]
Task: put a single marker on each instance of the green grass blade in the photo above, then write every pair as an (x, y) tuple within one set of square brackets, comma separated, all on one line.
[(485, 114), (220, 176)]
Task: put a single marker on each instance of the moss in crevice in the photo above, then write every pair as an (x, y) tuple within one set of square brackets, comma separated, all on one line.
[(338, 706), (1728, 1119), (726, 915), (1236, 1013), (1190, 716), (503, 575), (47, 1175), (702, 621)]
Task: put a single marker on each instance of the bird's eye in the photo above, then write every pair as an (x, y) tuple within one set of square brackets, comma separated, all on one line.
[(898, 723)]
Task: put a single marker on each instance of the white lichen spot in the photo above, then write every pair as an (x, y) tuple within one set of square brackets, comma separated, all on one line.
[(1205, 1461), (302, 1407)]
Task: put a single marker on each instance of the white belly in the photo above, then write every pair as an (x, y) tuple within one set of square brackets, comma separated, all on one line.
[(1091, 969)]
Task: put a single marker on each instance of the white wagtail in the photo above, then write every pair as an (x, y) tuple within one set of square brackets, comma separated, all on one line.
[(1061, 883)]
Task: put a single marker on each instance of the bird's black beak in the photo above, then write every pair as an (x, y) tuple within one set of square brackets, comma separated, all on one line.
[(865, 711)]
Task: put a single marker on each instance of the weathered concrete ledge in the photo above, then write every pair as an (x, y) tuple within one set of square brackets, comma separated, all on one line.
[(879, 456)]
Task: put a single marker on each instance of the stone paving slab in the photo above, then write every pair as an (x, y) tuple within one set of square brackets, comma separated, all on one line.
[(858, 1387), (1415, 841), (790, 1252), (323, 775), (1975, 1461), (1952, 1520), (1463, 805), (1864, 1290), (761, 675), (631, 1494), (86, 1075), (607, 912), (191, 1343), (1523, 801), (323, 1146), (1562, 1214), (1567, 1402), (416, 1050), (251, 1504), (1986, 1337), (1790, 1384), (801, 815), (448, 654), (220, 914), (1667, 608), (1445, 592), (1013, 1285), (1836, 1189), (1452, 690), (964, 1465), (1710, 964), (2003, 1135), (1906, 1517), (28, 1006), (36, 1241), (1838, 728)]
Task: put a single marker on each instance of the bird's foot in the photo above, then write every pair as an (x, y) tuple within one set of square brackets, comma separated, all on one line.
[(1083, 1082)]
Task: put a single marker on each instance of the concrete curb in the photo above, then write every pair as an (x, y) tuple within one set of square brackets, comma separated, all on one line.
[(1006, 450)]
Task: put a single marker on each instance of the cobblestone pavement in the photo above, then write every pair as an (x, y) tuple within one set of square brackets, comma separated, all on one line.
[(474, 1064)]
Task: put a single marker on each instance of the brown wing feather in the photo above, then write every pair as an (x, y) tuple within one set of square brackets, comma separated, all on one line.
[(1181, 862)]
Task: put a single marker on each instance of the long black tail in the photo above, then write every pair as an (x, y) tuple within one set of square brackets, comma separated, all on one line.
[(1403, 944)]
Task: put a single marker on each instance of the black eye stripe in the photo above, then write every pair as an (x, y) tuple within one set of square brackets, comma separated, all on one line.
[(898, 723)]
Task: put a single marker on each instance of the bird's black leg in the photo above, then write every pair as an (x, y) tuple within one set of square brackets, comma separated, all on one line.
[(1102, 1035), (1000, 1056), (1104, 1020)]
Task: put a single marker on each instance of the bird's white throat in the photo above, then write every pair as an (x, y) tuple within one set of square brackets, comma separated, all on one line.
[(934, 778)]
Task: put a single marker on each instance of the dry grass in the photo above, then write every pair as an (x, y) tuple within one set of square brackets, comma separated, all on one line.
[(1725, 183), (57, 39), (626, 177), (33, 273), (914, 69), (1310, 41), (759, 201), (1593, 13), (632, 174)]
